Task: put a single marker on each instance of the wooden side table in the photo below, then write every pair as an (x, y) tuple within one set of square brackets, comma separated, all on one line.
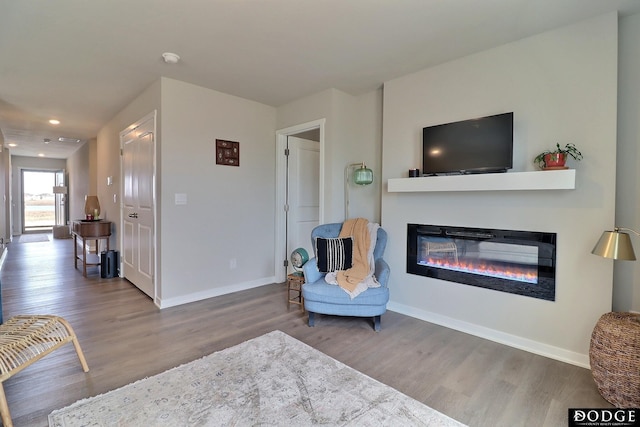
[(91, 231), (294, 289)]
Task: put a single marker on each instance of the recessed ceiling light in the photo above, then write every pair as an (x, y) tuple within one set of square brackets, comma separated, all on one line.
[(12, 144), (170, 58), (40, 154), (47, 140), (54, 122)]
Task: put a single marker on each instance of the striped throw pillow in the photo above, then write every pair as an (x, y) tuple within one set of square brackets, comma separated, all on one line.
[(334, 254)]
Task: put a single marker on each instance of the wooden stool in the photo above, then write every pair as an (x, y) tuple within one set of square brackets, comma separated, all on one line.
[(26, 339), (294, 289)]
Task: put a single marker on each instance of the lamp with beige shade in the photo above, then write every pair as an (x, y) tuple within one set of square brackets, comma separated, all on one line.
[(615, 340)]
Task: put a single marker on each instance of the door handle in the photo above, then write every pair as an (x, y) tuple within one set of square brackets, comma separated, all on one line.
[(133, 215)]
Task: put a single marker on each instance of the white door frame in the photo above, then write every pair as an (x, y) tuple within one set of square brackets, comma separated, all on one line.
[(281, 181)]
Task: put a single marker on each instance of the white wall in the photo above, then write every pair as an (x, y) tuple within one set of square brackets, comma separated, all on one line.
[(561, 86), (5, 196), (107, 154), (80, 177), (365, 201), (230, 211), (352, 134), (626, 294)]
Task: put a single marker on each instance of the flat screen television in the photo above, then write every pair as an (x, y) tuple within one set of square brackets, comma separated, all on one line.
[(483, 145)]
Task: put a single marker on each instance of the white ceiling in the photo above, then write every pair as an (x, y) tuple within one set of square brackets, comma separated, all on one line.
[(81, 61)]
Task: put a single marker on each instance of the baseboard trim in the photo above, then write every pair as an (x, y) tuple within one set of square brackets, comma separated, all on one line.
[(520, 343), (214, 292)]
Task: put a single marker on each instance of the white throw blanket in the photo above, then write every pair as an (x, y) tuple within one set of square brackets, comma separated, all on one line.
[(370, 281)]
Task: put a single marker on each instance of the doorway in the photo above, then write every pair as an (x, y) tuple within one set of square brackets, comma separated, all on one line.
[(41, 207), (299, 190)]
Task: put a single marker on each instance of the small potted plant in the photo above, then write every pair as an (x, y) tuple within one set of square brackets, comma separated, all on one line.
[(556, 159)]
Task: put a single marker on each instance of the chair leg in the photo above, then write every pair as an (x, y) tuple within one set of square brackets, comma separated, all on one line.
[(4, 409), (312, 319), (376, 323), (80, 354), (76, 344)]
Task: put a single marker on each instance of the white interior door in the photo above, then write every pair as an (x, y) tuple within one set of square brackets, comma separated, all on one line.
[(303, 199), (138, 159)]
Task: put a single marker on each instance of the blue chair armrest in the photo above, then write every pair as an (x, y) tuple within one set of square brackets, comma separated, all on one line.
[(310, 270), (382, 272)]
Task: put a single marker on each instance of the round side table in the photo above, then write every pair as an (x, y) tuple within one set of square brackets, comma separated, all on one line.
[(615, 358)]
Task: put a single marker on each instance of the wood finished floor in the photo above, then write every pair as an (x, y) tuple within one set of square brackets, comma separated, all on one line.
[(126, 338)]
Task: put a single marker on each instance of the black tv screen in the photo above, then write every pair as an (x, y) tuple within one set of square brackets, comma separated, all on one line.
[(482, 145)]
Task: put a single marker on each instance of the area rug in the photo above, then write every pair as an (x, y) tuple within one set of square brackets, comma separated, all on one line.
[(33, 238), (272, 380)]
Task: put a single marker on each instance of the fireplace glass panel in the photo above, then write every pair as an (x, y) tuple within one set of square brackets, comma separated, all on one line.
[(511, 261)]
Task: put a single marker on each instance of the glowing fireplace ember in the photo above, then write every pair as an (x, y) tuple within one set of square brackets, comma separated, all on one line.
[(520, 274)]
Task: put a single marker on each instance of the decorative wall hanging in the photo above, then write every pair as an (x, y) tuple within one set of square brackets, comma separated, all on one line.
[(227, 152)]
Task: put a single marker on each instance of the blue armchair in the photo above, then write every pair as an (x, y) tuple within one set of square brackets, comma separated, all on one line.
[(324, 298)]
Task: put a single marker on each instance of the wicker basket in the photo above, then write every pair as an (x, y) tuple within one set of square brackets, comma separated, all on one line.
[(615, 358)]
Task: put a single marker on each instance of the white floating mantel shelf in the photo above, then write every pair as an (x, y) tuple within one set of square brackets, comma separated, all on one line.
[(509, 181)]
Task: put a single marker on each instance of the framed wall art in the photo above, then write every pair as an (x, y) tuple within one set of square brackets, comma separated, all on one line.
[(227, 152)]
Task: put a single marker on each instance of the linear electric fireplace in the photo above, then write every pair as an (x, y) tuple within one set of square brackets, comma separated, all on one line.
[(518, 262)]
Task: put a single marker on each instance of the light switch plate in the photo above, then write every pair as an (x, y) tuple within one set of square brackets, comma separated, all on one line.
[(181, 198)]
